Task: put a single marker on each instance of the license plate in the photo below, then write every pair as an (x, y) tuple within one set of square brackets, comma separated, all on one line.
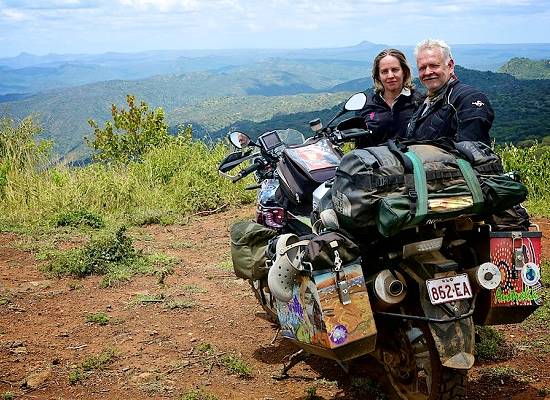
[(447, 289)]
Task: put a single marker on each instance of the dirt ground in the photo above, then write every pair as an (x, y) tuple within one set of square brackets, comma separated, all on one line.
[(162, 352)]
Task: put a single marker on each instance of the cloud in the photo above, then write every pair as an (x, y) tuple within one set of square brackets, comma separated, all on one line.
[(103, 25), (53, 4), (14, 15)]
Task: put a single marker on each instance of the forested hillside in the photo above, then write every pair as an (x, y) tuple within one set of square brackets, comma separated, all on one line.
[(272, 93), (524, 68), (522, 107)]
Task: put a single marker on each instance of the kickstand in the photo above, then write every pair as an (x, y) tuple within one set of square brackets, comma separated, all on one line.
[(275, 337), (293, 359)]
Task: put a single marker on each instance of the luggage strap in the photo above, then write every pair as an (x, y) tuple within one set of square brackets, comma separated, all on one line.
[(389, 182), (473, 184), (419, 193)]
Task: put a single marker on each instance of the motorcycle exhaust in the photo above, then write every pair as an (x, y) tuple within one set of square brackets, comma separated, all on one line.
[(388, 288)]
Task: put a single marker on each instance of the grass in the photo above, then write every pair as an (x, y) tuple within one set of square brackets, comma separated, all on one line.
[(8, 396), (91, 364), (170, 183), (231, 363), (505, 373), (181, 245), (541, 316), (236, 366), (179, 304), (78, 218), (490, 344), (145, 299), (99, 361), (112, 255), (4, 300), (99, 318), (198, 394), (529, 162), (193, 289), (226, 265), (367, 388)]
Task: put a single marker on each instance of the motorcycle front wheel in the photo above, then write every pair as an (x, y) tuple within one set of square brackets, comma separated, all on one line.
[(414, 369)]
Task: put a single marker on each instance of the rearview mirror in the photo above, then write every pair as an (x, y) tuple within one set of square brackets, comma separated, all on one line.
[(239, 139), (356, 102)]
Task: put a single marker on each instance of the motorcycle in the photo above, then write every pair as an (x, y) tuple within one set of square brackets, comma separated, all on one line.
[(289, 168), (409, 300)]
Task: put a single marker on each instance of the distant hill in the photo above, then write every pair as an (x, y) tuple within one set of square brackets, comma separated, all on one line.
[(522, 107), (524, 68), (214, 101), (64, 112), (28, 73)]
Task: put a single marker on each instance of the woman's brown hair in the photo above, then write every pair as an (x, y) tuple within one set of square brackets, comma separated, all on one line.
[(407, 76)]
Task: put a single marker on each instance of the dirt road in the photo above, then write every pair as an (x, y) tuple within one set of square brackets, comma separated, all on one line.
[(195, 332)]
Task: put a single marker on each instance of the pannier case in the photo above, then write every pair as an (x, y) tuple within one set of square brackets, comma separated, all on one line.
[(517, 256), (317, 318)]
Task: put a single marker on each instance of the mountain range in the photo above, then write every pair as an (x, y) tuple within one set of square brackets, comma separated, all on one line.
[(215, 90)]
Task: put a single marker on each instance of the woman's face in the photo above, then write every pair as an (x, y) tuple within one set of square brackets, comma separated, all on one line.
[(391, 74)]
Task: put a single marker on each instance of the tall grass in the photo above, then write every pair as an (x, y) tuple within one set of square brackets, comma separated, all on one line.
[(533, 165), (178, 179), (169, 182)]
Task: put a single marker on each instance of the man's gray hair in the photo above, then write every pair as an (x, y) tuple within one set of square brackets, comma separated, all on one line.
[(434, 43)]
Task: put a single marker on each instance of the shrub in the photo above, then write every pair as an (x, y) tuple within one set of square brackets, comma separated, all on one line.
[(130, 135), (78, 218), (490, 344)]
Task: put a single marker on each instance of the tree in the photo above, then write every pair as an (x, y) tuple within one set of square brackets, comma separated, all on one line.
[(130, 135)]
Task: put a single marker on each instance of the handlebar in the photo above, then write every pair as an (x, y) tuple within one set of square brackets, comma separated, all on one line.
[(247, 171), (353, 133)]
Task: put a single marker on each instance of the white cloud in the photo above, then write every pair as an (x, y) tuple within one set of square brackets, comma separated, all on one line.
[(15, 15)]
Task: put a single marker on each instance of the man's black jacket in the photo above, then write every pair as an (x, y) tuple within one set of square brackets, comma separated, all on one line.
[(462, 113)]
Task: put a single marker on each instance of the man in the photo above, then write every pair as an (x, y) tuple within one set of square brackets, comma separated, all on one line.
[(452, 109)]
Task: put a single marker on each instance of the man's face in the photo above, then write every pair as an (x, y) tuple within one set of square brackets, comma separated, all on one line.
[(433, 71)]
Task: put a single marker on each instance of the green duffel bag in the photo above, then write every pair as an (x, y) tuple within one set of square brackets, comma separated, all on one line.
[(249, 241), (390, 189)]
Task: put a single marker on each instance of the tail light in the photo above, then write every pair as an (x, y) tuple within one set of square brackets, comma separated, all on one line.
[(273, 217)]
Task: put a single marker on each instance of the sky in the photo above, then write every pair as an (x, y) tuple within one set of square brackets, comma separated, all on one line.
[(98, 26)]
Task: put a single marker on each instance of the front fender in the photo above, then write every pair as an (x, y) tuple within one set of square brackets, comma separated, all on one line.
[(454, 341)]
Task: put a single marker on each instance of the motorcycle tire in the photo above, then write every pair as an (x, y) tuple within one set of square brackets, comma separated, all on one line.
[(414, 367), (265, 298)]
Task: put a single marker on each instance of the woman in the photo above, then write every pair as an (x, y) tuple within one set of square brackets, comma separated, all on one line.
[(389, 109)]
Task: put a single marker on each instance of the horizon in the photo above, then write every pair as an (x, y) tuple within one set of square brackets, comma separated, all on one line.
[(65, 27), (452, 45)]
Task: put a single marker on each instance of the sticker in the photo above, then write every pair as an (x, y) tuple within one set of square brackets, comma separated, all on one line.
[(530, 274), (339, 334), (478, 103)]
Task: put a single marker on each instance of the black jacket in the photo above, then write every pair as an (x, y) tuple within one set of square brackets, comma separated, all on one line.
[(385, 122), (462, 113)]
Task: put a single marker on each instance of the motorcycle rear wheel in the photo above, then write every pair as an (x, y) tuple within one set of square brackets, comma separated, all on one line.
[(414, 368)]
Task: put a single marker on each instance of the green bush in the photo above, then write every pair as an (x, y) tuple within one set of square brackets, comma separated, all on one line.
[(169, 183), (490, 345), (101, 254), (79, 218), (530, 163)]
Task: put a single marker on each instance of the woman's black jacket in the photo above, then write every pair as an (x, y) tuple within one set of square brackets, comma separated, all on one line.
[(387, 122)]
